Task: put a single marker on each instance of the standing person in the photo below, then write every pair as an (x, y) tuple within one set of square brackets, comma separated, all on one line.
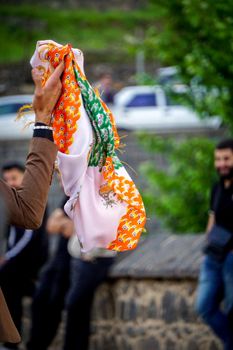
[(27, 251), (105, 87), (25, 207), (48, 301), (68, 282), (88, 271), (216, 275)]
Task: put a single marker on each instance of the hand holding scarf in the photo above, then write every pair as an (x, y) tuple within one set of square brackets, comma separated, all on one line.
[(104, 203)]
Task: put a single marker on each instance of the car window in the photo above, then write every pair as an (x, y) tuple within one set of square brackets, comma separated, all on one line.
[(143, 100), (10, 108)]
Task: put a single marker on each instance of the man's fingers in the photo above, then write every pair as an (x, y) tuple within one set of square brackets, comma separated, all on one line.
[(55, 76), (59, 70)]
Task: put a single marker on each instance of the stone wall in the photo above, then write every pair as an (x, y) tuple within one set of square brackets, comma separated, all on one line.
[(148, 301), (149, 315), (144, 315)]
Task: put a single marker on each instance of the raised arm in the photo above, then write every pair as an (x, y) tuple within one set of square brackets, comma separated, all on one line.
[(26, 206)]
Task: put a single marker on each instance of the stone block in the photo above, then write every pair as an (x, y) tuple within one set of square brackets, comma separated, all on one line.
[(128, 310), (152, 310), (171, 345), (215, 345), (134, 331), (125, 344), (150, 343), (104, 308), (169, 310), (192, 345), (187, 311)]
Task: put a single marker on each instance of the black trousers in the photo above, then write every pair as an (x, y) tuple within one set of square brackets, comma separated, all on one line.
[(85, 278), (72, 287), (49, 298)]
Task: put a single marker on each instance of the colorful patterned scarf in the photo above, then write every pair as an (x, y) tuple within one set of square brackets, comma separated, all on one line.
[(104, 204)]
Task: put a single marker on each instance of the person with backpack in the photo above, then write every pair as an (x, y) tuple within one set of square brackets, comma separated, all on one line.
[(216, 274)]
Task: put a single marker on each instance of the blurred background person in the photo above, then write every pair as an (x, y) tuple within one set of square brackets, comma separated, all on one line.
[(216, 275), (105, 87), (26, 252), (88, 271), (69, 281), (49, 297)]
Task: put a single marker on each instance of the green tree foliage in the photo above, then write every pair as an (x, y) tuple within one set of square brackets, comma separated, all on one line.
[(178, 194), (103, 34), (197, 37)]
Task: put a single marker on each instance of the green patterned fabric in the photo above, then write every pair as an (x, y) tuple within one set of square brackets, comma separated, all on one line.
[(104, 137)]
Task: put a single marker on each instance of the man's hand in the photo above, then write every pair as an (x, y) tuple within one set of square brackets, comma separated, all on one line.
[(2, 260), (46, 97), (58, 222), (67, 227), (53, 225)]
